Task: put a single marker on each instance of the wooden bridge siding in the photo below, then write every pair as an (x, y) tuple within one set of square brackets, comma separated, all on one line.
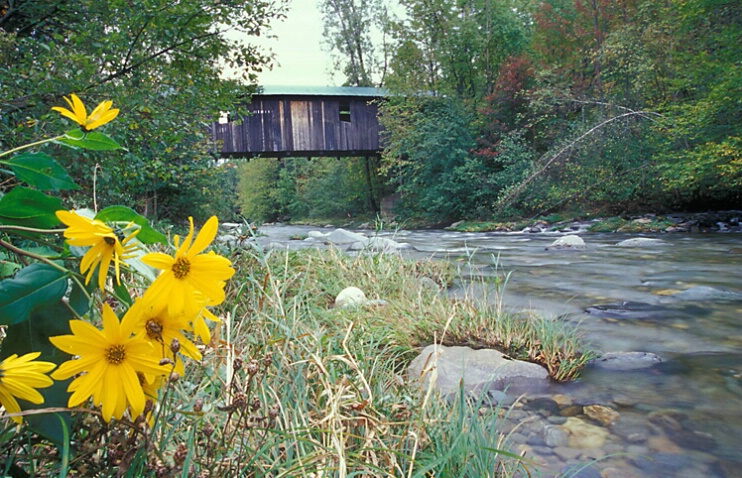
[(362, 132), (301, 125), (308, 124), (331, 109)]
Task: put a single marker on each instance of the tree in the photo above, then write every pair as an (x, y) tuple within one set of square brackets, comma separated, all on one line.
[(701, 156), (455, 47), (429, 157), (348, 29), (160, 61)]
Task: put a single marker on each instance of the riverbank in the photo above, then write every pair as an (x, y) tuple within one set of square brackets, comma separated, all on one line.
[(672, 303), (690, 222)]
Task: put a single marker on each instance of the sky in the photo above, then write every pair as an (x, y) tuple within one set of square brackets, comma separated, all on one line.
[(300, 58)]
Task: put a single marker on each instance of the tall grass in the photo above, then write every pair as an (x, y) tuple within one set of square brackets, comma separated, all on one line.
[(291, 386)]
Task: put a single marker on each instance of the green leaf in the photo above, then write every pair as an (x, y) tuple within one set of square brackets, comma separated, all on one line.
[(28, 207), (79, 299), (33, 288), (122, 294), (33, 336), (147, 235), (138, 265), (92, 140), (8, 266), (42, 172)]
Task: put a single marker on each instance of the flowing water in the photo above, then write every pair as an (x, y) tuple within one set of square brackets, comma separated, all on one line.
[(681, 301)]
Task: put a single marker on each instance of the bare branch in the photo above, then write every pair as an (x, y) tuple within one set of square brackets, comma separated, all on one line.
[(505, 201)]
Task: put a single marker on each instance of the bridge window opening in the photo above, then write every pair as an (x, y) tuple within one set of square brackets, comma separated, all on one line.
[(345, 111)]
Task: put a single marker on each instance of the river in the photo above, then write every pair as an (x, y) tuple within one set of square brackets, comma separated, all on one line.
[(681, 300)]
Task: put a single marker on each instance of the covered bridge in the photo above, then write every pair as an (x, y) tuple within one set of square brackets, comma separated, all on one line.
[(304, 122)]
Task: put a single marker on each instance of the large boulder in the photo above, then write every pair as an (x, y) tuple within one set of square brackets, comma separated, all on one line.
[(343, 237), (642, 242), (377, 244), (570, 241), (482, 371)]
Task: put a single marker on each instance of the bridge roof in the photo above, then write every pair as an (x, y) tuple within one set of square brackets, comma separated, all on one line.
[(321, 91)]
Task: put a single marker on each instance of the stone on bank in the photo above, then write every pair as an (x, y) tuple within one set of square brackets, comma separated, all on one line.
[(483, 371)]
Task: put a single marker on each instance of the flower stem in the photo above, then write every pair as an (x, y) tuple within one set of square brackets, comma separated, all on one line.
[(30, 145), (10, 227), (45, 260)]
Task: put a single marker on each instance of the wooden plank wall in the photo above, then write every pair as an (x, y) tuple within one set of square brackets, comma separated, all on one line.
[(301, 124)]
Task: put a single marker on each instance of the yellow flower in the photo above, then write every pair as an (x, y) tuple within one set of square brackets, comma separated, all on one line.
[(189, 273), (19, 378), (103, 242), (102, 114), (110, 359), (201, 327), (159, 328)]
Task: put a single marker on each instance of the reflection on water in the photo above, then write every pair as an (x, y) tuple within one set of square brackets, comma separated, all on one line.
[(681, 301)]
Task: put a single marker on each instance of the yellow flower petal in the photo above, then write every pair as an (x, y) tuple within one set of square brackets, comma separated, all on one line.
[(205, 236), (102, 114), (105, 245), (19, 378)]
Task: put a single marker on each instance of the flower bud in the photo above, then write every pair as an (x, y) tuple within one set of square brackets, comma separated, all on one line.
[(239, 400), (253, 367), (255, 405), (237, 364)]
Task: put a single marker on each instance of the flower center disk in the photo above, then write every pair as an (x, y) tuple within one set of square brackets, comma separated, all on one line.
[(116, 354), (181, 267)]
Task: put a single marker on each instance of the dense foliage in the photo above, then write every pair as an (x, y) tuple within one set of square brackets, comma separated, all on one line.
[(297, 188), (164, 58), (527, 107)]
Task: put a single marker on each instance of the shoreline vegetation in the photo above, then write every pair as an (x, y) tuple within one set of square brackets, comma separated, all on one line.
[(331, 395), (709, 221)]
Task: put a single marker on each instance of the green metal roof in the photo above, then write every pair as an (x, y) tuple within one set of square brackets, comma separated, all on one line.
[(321, 91)]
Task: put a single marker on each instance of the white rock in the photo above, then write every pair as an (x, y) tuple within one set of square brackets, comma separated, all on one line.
[(376, 244), (227, 238), (316, 235), (350, 296), (567, 242), (341, 236), (641, 242)]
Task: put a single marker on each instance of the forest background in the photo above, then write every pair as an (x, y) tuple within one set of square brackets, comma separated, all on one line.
[(497, 108)]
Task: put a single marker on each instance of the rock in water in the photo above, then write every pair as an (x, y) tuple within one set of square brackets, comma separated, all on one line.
[(343, 237), (642, 242), (567, 242), (583, 435), (606, 416), (350, 296), (624, 361), (702, 292)]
